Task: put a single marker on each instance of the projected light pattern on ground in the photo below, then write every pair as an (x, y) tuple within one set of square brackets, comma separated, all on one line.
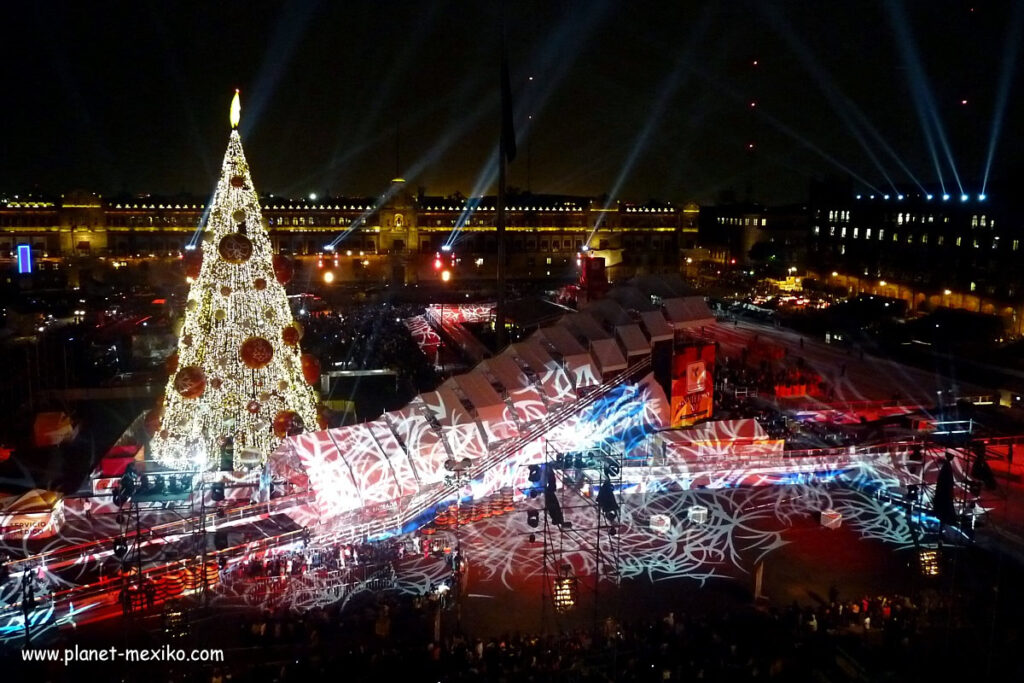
[(743, 527)]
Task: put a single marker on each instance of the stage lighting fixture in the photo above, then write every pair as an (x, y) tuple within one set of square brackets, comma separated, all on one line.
[(945, 197), (612, 530), (534, 473), (564, 593), (217, 491), (964, 198), (533, 538), (981, 197), (929, 197), (929, 562), (120, 547), (533, 518)]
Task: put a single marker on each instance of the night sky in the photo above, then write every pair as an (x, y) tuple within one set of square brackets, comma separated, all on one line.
[(633, 99)]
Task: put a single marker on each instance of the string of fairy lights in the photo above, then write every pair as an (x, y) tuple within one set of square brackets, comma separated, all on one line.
[(238, 377)]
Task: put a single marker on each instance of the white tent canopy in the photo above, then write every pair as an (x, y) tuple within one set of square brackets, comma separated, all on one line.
[(633, 340), (688, 312), (575, 358), (609, 356), (657, 327)]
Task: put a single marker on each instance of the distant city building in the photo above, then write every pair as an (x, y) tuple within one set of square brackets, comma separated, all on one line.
[(746, 233), (400, 238), (929, 248)]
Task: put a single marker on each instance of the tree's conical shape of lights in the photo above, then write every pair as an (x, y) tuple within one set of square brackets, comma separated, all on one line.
[(238, 368)]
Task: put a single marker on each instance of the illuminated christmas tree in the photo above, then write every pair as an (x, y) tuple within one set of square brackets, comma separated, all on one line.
[(239, 379)]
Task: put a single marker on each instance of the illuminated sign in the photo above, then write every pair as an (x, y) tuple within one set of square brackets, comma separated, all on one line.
[(692, 388), (24, 258)]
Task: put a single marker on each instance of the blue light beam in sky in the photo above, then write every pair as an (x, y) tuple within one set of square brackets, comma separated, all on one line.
[(1011, 48)]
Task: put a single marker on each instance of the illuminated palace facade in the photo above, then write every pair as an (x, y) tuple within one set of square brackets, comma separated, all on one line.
[(396, 240)]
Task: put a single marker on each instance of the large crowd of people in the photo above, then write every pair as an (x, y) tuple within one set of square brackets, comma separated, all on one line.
[(397, 639), (368, 338)]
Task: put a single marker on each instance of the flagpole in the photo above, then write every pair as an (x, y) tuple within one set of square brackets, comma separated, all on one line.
[(499, 312), (506, 153)]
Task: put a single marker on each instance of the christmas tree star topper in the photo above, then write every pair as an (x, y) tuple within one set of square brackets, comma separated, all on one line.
[(236, 110)]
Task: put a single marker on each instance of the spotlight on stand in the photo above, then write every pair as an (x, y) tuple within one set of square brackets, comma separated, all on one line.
[(120, 547), (533, 519)]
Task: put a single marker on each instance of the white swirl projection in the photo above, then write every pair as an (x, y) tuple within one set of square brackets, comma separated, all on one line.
[(743, 526), (424, 335), (351, 467)]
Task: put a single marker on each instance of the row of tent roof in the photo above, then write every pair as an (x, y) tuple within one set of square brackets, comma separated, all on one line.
[(472, 413)]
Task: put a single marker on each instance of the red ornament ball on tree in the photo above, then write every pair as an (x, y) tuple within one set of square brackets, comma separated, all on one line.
[(190, 382), (192, 263), (256, 352), (321, 416), (287, 423), (253, 406), (259, 284), (310, 368), (283, 269), (235, 248), (237, 181), (291, 335)]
